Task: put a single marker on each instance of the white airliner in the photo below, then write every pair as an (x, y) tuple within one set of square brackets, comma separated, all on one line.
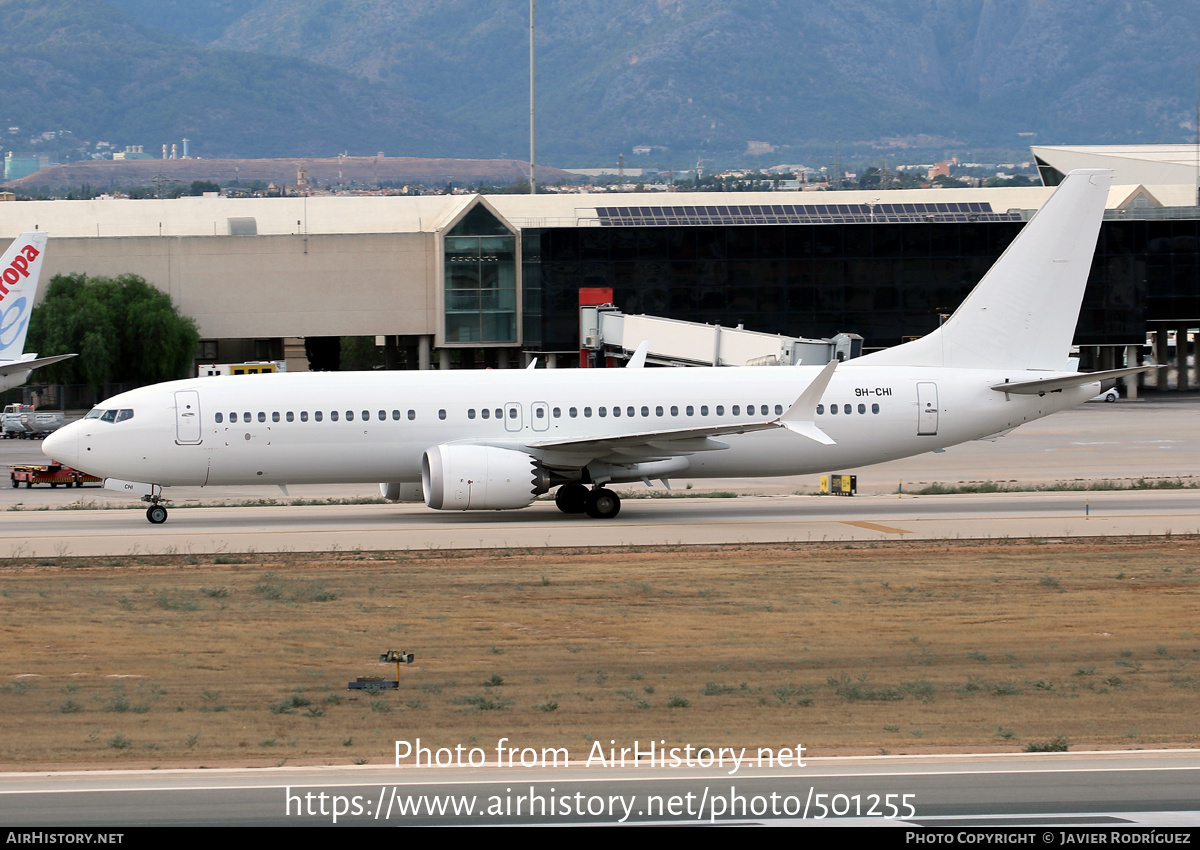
[(20, 268), (494, 440)]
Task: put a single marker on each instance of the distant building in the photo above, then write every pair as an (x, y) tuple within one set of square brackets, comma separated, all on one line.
[(940, 169), (132, 152), (1148, 165), (17, 166)]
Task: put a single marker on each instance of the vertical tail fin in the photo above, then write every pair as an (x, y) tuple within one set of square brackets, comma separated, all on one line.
[(1022, 315), (20, 268)]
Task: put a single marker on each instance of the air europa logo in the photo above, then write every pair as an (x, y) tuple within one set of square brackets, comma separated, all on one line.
[(18, 268)]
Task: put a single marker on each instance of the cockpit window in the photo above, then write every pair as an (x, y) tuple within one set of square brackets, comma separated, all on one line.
[(108, 416), (94, 413), (124, 414)]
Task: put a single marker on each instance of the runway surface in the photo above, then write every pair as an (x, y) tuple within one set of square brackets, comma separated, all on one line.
[(1099, 790), (765, 519)]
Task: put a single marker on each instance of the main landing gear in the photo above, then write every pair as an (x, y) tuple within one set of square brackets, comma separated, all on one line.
[(598, 503)]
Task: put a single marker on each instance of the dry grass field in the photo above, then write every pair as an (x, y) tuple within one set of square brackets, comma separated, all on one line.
[(244, 659)]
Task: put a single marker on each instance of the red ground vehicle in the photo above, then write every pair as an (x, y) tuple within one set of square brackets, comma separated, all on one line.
[(54, 475)]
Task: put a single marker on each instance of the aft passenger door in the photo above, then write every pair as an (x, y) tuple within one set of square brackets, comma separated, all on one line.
[(927, 409)]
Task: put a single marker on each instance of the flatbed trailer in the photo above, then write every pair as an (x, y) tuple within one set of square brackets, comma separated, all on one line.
[(53, 474)]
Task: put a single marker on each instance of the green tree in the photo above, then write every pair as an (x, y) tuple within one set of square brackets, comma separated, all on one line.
[(360, 354), (123, 329)]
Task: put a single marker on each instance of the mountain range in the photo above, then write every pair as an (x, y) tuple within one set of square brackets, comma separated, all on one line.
[(690, 79)]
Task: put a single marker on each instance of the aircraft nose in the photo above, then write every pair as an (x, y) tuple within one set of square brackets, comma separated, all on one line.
[(63, 445)]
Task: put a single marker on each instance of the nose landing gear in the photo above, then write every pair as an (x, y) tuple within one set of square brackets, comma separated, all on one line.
[(157, 512)]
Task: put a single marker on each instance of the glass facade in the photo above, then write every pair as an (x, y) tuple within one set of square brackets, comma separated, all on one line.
[(481, 281), (887, 282)]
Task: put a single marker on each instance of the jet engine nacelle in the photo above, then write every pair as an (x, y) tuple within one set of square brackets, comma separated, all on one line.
[(480, 478), (402, 491)]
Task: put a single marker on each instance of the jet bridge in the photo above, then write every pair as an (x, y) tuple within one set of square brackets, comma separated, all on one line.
[(605, 331)]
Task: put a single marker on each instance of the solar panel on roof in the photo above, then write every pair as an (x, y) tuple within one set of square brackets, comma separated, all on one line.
[(797, 214)]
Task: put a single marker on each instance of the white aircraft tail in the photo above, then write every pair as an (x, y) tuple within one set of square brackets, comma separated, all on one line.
[(1022, 315), (20, 268)]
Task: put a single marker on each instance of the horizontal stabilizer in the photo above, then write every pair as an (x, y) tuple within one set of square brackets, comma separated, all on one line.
[(1066, 382), (10, 367)]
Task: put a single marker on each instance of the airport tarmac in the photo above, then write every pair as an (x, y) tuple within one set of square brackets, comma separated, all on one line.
[(1122, 441)]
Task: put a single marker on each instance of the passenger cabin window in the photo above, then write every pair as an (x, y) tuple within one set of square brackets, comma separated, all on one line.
[(219, 417), (485, 413), (442, 414), (291, 417), (303, 415), (317, 416), (412, 414), (349, 415), (333, 416), (471, 413), (262, 417)]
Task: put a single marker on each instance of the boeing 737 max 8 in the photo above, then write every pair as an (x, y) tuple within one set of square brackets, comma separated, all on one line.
[(20, 268), (494, 440)]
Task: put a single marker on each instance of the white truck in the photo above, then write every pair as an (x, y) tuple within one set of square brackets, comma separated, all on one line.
[(24, 422)]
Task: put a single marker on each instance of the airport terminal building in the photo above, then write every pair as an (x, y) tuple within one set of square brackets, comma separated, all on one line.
[(493, 280)]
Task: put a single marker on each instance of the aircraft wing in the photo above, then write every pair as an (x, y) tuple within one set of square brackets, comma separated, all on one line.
[(659, 445), (1039, 386), (11, 367)]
